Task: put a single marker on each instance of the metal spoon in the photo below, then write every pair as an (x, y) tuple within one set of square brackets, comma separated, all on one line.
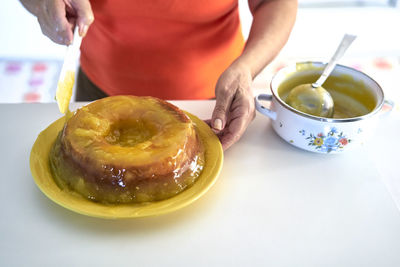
[(313, 98)]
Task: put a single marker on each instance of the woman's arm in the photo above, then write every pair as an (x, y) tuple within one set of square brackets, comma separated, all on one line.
[(234, 109), (272, 23)]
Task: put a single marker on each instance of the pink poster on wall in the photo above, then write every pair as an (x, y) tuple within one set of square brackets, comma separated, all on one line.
[(27, 81)]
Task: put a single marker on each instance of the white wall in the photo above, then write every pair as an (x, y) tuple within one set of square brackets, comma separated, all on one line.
[(21, 36)]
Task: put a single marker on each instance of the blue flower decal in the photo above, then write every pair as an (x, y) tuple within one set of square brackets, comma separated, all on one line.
[(332, 141)]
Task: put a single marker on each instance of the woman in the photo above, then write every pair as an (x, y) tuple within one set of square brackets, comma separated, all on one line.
[(172, 49)]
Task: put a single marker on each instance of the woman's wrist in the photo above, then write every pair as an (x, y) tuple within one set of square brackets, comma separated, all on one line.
[(31, 6), (250, 64), (272, 23)]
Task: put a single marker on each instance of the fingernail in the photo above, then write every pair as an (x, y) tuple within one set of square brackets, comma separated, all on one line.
[(84, 30), (218, 124)]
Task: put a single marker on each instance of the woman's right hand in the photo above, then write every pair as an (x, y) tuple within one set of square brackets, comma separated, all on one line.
[(57, 18)]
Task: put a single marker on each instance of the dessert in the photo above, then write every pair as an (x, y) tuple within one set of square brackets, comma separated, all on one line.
[(125, 149)]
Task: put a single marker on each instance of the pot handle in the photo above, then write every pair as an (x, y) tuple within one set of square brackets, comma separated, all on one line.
[(388, 106), (263, 110)]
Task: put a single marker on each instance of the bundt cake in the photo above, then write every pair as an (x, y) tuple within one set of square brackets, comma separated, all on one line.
[(127, 149)]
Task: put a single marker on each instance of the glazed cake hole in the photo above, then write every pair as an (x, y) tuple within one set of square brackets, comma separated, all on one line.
[(129, 133)]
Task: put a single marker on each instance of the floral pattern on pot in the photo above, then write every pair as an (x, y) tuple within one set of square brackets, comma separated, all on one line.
[(332, 141)]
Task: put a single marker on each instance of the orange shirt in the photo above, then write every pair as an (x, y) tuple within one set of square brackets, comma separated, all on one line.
[(171, 49)]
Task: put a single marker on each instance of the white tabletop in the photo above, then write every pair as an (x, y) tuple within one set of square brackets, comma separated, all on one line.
[(273, 204)]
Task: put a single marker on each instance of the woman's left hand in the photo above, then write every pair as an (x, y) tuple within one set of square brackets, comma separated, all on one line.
[(270, 29), (234, 108)]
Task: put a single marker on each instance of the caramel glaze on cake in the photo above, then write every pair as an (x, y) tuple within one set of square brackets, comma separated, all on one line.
[(124, 149)]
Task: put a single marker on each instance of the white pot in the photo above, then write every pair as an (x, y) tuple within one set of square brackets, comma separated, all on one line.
[(318, 134)]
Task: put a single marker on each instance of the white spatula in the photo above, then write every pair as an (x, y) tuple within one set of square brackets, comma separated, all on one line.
[(67, 76)]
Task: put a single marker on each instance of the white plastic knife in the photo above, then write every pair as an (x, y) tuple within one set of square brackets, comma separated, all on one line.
[(67, 76)]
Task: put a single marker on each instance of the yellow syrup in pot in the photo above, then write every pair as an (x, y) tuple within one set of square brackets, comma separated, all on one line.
[(351, 97)]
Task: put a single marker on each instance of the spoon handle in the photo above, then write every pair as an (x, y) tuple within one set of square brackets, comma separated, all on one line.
[(344, 44)]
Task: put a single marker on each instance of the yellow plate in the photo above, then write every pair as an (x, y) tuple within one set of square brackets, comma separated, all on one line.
[(39, 164)]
